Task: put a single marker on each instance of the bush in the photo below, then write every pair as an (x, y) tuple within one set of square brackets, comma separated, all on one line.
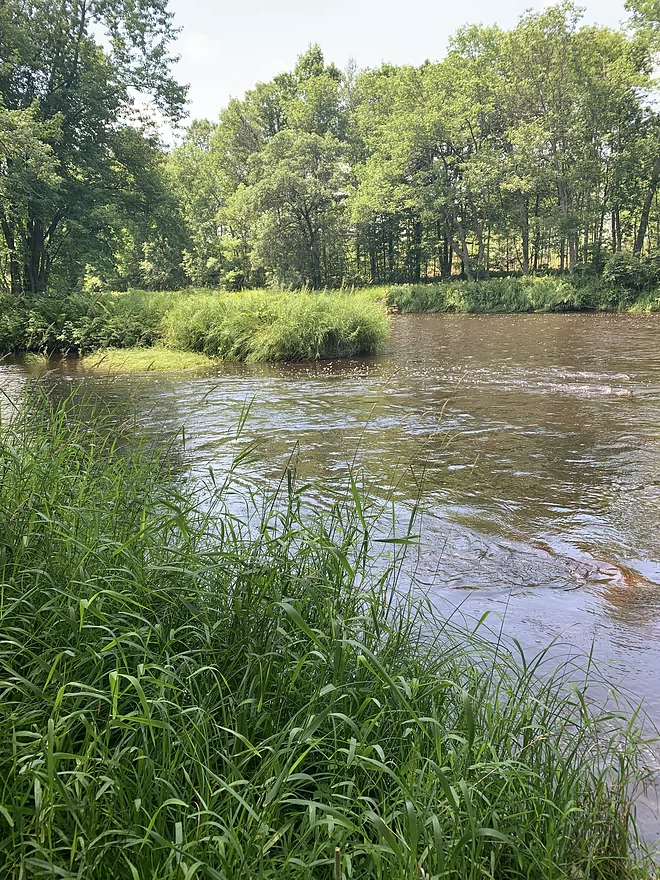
[(188, 694), (630, 274)]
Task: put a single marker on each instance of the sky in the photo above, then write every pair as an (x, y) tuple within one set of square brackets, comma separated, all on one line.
[(226, 47)]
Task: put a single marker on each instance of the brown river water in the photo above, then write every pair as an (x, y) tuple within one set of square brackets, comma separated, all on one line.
[(535, 440)]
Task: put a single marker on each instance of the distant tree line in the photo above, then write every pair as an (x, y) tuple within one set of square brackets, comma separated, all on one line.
[(526, 151)]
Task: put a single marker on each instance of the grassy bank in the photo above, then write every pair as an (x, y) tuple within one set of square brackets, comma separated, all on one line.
[(187, 694), (249, 325), (504, 295), (271, 326)]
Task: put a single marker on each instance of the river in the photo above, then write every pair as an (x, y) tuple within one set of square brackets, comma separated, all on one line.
[(532, 440)]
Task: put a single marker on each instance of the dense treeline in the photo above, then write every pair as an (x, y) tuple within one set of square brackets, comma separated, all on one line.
[(527, 151)]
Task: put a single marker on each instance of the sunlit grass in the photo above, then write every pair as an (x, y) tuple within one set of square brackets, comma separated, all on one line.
[(143, 360), (190, 694), (278, 325)]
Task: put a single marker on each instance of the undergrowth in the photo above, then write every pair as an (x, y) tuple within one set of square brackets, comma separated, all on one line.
[(531, 294)]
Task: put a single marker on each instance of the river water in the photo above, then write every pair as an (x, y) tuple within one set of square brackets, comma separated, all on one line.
[(532, 440)]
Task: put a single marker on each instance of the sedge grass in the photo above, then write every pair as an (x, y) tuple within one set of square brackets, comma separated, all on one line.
[(511, 295), (264, 325), (188, 694)]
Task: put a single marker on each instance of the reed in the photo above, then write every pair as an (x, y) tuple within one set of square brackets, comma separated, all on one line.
[(190, 693)]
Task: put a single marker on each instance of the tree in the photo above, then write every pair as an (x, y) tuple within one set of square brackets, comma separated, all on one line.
[(50, 61), (263, 189), (301, 185), (27, 164)]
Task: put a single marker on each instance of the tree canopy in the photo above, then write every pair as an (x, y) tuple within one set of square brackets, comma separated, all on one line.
[(73, 94), (531, 150)]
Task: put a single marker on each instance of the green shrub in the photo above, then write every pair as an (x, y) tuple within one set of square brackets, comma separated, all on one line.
[(630, 273), (189, 694)]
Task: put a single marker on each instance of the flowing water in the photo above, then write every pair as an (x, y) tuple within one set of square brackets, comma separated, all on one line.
[(532, 440)]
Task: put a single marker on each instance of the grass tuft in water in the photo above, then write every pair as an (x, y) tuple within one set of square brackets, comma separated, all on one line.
[(187, 693)]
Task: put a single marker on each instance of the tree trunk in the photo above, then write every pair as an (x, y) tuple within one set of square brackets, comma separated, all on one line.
[(461, 250), (565, 208), (523, 205), (444, 251), (616, 229), (15, 282), (572, 252), (646, 210), (537, 235), (390, 250), (417, 252), (373, 257), (37, 258)]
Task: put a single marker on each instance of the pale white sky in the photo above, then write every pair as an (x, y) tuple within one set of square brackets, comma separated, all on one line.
[(226, 47)]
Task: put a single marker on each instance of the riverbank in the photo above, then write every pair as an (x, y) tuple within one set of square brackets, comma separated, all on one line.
[(260, 326), (514, 295), (255, 326), (184, 693)]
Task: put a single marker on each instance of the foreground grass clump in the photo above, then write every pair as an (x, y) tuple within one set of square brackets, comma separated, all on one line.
[(277, 326), (190, 694), (143, 360), (531, 294)]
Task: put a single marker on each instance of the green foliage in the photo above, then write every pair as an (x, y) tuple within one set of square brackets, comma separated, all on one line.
[(190, 694), (264, 190), (526, 151), (247, 325), (523, 151), (631, 273), (87, 170), (82, 322), (277, 326), (526, 294)]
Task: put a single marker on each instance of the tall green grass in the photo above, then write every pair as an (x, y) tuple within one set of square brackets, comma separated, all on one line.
[(191, 694), (531, 294), (249, 325), (277, 326)]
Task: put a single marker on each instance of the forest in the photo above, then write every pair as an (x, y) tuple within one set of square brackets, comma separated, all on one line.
[(530, 151)]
